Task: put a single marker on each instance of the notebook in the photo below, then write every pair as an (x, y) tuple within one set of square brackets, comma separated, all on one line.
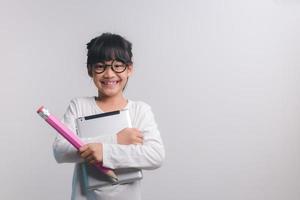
[(103, 124)]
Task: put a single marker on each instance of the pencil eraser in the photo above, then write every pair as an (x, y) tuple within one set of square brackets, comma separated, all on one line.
[(40, 109)]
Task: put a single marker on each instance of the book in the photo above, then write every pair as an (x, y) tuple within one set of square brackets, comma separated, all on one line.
[(105, 124)]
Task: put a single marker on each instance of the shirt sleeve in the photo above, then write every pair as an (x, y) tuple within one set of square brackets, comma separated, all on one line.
[(63, 151), (149, 155)]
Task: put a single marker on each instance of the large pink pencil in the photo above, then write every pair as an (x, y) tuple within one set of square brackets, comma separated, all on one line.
[(72, 138)]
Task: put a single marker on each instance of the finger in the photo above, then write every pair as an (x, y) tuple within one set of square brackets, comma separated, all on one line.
[(92, 162), (141, 141), (89, 158), (136, 130), (85, 153), (138, 141), (83, 148)]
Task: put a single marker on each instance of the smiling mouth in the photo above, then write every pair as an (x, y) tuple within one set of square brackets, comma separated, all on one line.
[(109, 82)]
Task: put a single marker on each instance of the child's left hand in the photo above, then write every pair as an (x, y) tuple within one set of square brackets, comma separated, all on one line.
[(92, 153)]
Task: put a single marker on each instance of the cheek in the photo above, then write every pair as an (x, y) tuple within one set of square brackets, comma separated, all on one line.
[(124, 80), (96, 80), (126, 75)]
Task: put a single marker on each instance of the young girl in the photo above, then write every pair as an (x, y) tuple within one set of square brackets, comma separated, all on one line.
[(109, 64)]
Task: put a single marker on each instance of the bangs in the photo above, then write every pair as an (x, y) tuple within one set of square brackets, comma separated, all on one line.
[(110, 48)]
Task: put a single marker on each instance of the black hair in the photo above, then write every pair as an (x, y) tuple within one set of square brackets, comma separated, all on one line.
[(107, 47)]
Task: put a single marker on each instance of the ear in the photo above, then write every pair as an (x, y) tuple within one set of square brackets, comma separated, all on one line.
[(130, 70)]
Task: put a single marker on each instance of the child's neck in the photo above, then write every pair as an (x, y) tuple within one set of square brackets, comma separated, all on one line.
[(113, 103)]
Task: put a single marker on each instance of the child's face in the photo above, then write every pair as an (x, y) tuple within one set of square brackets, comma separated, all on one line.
[(107, 79)]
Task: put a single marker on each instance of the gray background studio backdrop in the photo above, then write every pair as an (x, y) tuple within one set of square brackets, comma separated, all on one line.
[(222, 77)]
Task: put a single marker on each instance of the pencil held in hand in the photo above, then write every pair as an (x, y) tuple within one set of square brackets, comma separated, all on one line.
[(72, 138)]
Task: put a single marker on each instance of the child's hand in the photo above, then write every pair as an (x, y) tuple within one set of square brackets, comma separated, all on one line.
[(92, 152), (130, 136)]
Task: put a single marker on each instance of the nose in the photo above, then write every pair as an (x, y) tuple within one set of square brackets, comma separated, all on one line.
[(108, 72)]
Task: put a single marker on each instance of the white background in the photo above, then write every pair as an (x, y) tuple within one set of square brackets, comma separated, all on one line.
[(222, 77)]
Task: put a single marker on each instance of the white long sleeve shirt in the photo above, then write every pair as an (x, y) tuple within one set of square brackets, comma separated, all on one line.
[(150, 155)]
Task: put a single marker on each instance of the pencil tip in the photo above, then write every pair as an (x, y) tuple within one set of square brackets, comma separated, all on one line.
[(114, 180)]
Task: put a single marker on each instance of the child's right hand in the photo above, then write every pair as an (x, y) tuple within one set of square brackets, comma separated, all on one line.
[(130, 136)]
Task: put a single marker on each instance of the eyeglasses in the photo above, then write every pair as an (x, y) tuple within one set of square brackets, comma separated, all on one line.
[(116, 66)]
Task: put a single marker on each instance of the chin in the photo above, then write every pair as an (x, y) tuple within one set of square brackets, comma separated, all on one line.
[(108, 93)]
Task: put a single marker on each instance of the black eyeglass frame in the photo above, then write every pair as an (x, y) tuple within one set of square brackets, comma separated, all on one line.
[(112, 66)]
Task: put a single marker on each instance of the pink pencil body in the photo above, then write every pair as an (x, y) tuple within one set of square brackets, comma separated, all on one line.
[(71, 137)]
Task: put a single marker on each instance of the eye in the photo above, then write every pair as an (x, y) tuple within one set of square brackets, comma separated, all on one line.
[(99, 66), (118, 65)]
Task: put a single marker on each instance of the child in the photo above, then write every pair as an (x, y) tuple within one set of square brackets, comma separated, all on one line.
[(109, 64)]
